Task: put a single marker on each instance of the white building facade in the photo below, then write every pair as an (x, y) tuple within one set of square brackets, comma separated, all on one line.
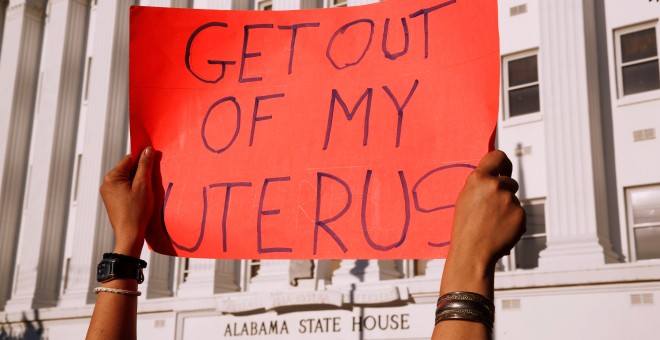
[(580, 118)]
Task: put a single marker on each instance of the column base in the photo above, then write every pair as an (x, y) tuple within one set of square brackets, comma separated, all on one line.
[(196, 288), (582, 254), (200, 279), (226, 276), (157, 276), (77, 298), (22, 304)]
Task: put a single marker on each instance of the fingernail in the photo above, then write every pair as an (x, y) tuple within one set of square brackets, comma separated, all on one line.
[(148, 151)]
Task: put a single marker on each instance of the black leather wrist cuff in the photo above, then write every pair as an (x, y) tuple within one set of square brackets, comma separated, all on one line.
[(126, 258), (110, 269)]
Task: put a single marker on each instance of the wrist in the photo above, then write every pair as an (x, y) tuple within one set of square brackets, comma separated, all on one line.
[(133, 249), (468, 273), (128, 284)]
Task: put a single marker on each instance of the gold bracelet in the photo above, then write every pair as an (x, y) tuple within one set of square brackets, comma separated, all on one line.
[(117, 291)]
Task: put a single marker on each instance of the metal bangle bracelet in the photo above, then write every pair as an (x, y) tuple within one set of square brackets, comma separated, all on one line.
[(465, 306)]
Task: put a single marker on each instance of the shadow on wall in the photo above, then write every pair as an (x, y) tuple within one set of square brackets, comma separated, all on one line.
[(30, 332), (522, 193), (358, 270), (352, 299)]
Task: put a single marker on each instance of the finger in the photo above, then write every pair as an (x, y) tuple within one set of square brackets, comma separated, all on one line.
[(506, 168), (516, 200), (496, 163), (145, 167), (122, 169), (509, 184)]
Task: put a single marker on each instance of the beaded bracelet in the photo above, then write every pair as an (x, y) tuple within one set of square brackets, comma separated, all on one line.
[(465, 306), (117, 291)]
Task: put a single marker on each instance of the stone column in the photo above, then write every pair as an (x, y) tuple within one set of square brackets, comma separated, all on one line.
[(207, 277), (158, 276), (200, 278), (286, 5), (361, 2), (222, 4), (43, 224), (3, 11), (165, 3), (355, 271), (227, 273), (301, 271), (576, 207), (324, 271), (272, 275), (19, 69), (101, 138), (310, 4)]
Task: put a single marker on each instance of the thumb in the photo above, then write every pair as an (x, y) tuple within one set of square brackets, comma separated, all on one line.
[(145, 167)]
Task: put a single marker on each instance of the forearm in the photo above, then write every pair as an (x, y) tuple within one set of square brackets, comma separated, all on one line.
[(129, 201), (488, 221), (114, 314), (462, 274)]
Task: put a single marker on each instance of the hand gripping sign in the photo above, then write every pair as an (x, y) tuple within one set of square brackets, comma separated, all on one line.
[(331, 133)]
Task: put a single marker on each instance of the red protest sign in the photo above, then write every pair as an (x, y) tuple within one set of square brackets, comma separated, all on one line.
[(334, 133)]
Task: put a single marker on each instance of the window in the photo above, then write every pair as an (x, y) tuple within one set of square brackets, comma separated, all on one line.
[(264, 5), (521, 84), (525, 255), (87, 75), (637, 59), (534, 240), (254, 266), (184, 269), (644, 222), (518, 10), (412, 268), (249, 269), (336, 3)]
